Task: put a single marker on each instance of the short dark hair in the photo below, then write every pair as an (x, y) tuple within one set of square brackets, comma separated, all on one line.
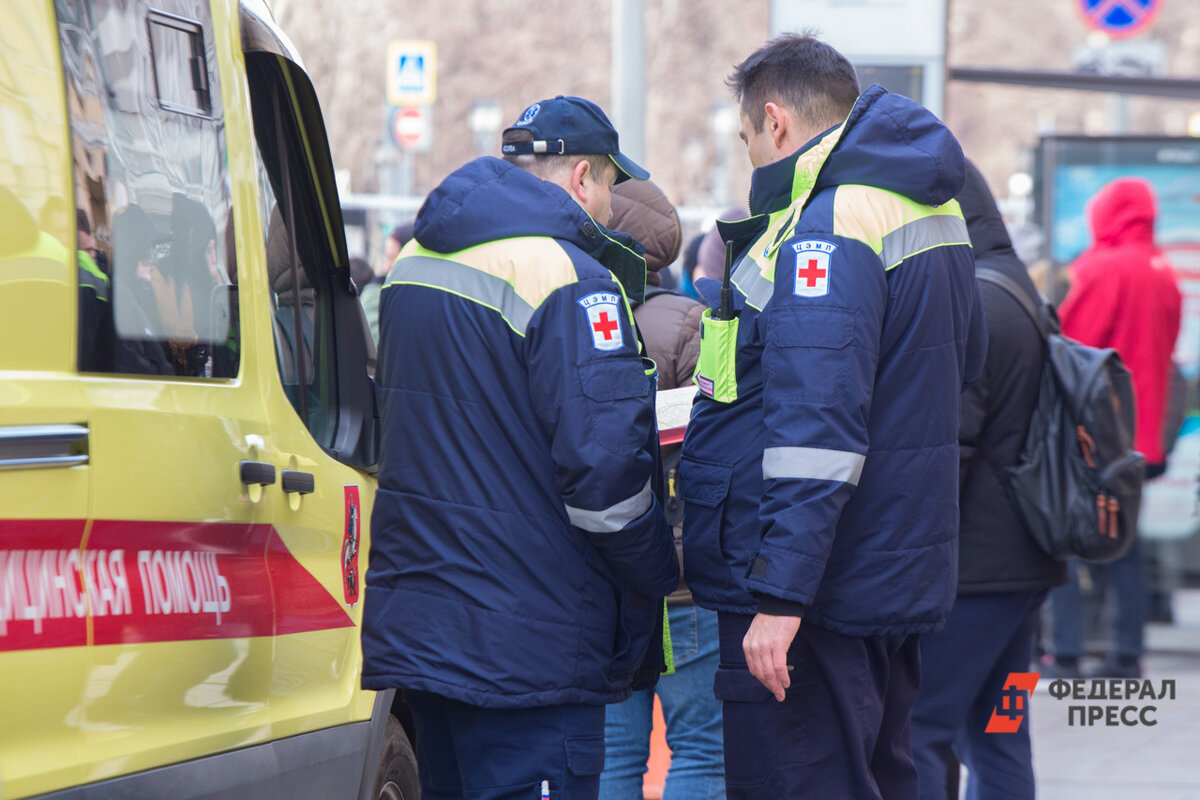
[(361, 273), (799, 71), (548, 166)]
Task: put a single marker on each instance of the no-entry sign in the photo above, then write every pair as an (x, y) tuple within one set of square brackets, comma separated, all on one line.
[(411, 128), (1119, 18)]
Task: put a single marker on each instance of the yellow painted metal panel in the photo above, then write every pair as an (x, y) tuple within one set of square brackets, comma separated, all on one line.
[(39, 741), (164, 702), (45, 510), (37, 232)]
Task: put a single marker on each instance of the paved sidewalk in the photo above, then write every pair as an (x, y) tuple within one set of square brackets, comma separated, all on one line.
[(1129, 763)]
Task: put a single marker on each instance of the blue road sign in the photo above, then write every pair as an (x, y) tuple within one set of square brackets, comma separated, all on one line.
[(1119, 17), (412, 72)]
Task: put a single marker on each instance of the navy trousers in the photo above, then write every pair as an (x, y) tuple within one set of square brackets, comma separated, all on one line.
[(964, 667), (841, 732), (466, 752), (1128, 590)]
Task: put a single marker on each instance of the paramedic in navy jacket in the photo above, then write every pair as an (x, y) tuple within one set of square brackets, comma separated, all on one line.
[(820, 468), (519, 552)]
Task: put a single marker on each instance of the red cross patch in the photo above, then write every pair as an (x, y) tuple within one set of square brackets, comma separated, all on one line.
[(812, 267), (603, 319)]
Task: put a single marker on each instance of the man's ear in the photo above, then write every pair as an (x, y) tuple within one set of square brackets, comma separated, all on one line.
[(582, 181), (778, 123)]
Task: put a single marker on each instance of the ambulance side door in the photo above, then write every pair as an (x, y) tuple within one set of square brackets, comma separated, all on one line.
[(180, 647), (321, 403)]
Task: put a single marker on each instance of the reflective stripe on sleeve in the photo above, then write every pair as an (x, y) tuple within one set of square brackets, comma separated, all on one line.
[(812, 462), (616, 516), (921, 235), (465, 281)]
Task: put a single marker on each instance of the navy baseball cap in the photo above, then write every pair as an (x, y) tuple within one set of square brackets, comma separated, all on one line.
[(572, 125)]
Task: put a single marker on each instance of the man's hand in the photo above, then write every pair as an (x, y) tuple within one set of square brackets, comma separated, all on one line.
[(766, 646)]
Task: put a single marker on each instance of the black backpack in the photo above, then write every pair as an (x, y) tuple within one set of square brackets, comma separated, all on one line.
[(1078, 484)]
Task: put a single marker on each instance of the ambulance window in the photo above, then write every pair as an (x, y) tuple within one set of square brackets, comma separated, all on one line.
[(322, 342), (301, 283), (157, 269), (180, 71)]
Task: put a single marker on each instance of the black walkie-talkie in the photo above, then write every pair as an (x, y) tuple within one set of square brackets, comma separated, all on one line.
[(726, 310)]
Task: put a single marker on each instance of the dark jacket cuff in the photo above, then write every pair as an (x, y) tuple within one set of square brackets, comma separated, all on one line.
[(778, 607)]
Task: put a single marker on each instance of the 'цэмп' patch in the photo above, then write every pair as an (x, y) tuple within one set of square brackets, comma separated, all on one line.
[(604, 319), (813, 260)]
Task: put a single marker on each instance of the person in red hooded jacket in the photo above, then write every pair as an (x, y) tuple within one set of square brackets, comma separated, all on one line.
[(1123, 295)]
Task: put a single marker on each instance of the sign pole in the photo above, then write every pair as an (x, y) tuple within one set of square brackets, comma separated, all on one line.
[(628, 76)]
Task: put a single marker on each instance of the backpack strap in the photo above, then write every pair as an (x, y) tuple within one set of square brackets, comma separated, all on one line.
[(1018, 293), (1039, 312)]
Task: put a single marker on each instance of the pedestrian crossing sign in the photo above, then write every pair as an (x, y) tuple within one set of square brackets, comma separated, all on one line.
[(412, 72)]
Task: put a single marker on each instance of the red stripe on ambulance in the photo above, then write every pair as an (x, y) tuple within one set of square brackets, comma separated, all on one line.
[(153, 582)]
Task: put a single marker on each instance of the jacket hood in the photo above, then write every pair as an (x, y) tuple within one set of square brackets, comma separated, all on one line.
[(475, 204), (1122, 213), (489, 199), (887, 141), (989, 235), (642, 210), (892, 143)]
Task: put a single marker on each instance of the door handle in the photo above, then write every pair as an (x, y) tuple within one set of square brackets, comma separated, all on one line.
[(296, 481), (296, 484), (31, 446), (257, 473)]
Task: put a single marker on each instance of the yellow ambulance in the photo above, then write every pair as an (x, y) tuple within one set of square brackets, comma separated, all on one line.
[(188, 430)]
